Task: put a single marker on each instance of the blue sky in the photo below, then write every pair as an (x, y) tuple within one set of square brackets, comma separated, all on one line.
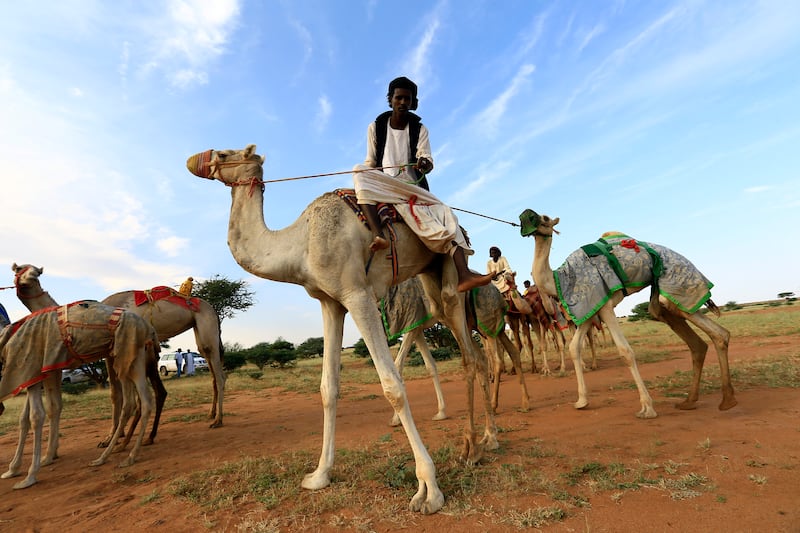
[(675, 122)]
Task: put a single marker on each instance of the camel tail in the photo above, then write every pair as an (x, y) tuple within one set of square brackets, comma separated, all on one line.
[(713, 307)]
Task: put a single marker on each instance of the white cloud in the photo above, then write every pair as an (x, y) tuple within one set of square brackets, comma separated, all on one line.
[(172, 246), (758, 189), (324, 113), (76, 92), (491, 116), (590, 35), (189, 35)]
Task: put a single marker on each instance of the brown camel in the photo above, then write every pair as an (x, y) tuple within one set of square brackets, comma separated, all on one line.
[(55, 338), (326, 250), (35, 298), (170, 318), (405, 311), (595, 278)]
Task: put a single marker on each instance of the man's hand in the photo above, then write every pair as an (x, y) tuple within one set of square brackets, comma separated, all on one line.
[(424, 165)]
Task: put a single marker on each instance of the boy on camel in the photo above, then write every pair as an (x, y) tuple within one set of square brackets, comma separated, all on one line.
[(398, 158)]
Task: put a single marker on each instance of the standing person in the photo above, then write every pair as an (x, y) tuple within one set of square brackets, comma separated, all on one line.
[(527, 285), (496, 265), (397, 138), (178, 362), (189, 356), (186, 286)]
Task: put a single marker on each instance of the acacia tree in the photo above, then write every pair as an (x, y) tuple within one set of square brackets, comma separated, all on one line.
[(311, 347), (225, 296)]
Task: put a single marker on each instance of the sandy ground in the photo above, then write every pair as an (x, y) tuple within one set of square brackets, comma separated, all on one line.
[(752, 460)]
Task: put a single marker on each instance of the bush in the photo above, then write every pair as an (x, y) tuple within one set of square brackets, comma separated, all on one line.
[(233, 360)]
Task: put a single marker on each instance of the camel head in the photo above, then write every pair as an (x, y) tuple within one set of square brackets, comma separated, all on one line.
[(231, 167), (532, 223), (26, 276)]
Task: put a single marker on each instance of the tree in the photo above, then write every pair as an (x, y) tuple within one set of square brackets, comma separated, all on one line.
[(311, 347), (439, 336), (640, 312), (360, 348), (280, 353), (224, 295)]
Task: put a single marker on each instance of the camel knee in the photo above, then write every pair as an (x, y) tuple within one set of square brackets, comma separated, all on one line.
[(396, 397)]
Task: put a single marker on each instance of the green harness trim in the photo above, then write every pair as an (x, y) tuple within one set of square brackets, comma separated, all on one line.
[(489, 331), (392, 337), (606, 249)]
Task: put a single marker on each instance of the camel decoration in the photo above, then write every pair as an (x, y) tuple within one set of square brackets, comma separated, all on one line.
[(35, 298), (171, 316), (326, 250), (55, 338), (620, 266), (406, 313)]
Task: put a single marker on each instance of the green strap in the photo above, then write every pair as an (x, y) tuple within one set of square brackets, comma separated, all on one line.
[(602, 247)]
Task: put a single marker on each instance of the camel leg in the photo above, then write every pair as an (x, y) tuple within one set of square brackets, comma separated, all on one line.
[(145, 407), (53, 394), (209, 344), (590, 338), (542, 340), (516, 359), (429, 497), (430, 364), (606, 314), (116, 403), (160, 397), (575, 353), (698, 348), (526, 334), (37, 416), (24, 428), (410, 339), (494, 356)]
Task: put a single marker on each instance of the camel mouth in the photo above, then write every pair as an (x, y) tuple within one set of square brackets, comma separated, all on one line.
[(199, 164), (529, 222)]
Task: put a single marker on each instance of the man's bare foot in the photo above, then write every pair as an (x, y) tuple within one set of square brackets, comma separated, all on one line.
[(473, 280), (378, 243)]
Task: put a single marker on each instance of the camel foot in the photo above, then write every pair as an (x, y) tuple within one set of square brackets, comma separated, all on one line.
[(216, 424), (526, 406), (104, 443), (97, 462), (378, 243), (472, 452), (581, 404), (148, 442), (473, 281), (395, 422), (316, 480), (427, 500), (727, 403), (512, 373), (25, 483), (686, 405), (127, 462), (48, 461), (441, 415), (489, 441), (546, 371), (647, 412), (10, 474)]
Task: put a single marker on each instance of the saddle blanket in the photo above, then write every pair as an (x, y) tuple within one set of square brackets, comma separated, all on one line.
[(165, 293), (585, 282), (46, 341)]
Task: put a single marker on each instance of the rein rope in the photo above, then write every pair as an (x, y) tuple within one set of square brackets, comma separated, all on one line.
[(255, 181)]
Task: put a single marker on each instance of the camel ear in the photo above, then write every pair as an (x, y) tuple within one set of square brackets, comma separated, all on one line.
[(14, 267), (249, 150), (41, 270)]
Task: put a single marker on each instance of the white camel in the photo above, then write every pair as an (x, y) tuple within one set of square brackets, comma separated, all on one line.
[(45, 342), (326, 250), (35, 298), (595, 278)]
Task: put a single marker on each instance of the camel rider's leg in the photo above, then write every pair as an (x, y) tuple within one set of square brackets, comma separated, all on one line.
[(467, 279), (379, 242)]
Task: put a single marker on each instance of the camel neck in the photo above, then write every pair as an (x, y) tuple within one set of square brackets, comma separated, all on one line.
[(542, 273)]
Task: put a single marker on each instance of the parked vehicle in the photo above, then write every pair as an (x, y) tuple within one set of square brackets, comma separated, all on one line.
[(74, 375), (167, 365)]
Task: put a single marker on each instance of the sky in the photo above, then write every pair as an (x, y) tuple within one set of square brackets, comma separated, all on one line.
[(675, 122)]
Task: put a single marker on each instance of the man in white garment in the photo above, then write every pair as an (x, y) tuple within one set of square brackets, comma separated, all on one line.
[(398, 157), (497, 265)]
